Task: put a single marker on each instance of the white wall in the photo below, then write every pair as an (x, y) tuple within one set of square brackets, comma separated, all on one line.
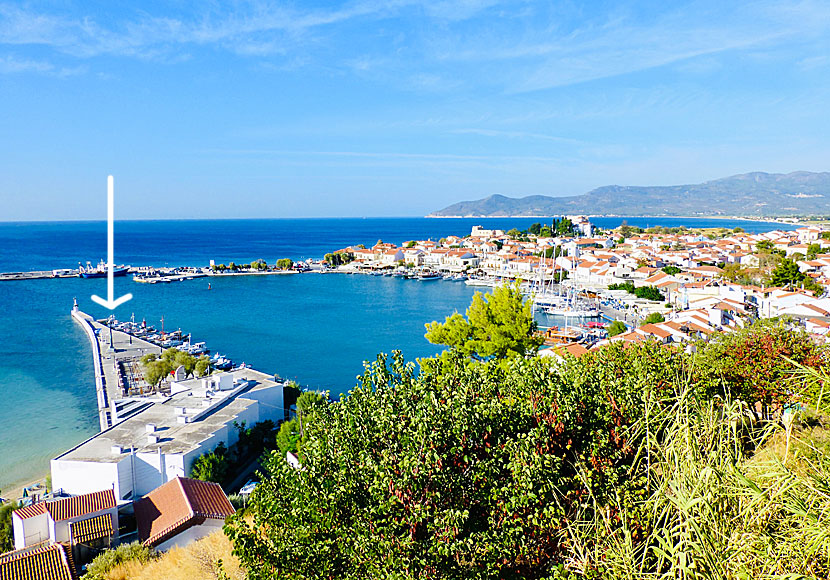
[(30, 531), (80, 477), (191, 535)]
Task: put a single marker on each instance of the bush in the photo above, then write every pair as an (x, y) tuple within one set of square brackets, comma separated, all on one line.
[(212, 466), (653, 318), (6, 530), (109, 559), (616, 327)]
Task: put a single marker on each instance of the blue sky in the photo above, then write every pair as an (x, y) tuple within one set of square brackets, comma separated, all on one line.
[(398, 107)]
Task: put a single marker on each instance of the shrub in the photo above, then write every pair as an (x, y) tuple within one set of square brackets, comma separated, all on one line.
[(104, 562)]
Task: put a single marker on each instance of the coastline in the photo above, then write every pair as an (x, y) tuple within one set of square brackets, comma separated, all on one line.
[(768, 220)]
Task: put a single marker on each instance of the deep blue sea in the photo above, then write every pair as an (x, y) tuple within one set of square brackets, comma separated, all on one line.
[(316, 329)]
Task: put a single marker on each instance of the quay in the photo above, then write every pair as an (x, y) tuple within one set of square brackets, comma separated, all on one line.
[(38, 275), (110, 356), (150, 436)]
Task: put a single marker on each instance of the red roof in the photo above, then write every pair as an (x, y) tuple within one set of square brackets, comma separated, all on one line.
[(45, 562), (177, 505), (71, 507)]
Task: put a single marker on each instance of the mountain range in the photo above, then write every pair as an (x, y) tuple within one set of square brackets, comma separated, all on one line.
[(757, 194)]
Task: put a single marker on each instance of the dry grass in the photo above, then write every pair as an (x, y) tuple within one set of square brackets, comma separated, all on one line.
[(198, 561)]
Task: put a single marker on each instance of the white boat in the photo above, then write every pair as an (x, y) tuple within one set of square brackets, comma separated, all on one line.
[(480, 282), (573, 311)]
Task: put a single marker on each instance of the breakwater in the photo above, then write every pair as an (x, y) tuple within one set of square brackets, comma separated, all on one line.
[(85, 321)]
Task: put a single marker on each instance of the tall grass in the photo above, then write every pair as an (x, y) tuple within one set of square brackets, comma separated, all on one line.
[(710, 505), (198, 561)]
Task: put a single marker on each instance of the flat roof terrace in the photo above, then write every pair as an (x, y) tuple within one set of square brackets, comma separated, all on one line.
[(181, 421)]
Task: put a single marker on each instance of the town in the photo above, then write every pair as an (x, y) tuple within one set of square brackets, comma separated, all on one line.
[(673, 285), (134, 480)]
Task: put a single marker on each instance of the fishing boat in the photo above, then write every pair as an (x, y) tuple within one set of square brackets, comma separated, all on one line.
[(101, 270), (428, 276)]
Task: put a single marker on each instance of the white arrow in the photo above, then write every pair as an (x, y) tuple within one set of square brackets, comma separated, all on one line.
[(110, 302)]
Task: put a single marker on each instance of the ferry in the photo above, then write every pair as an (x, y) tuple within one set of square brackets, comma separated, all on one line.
[(101, 270)]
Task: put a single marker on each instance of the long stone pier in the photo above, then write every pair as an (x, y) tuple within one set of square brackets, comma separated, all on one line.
[(106, 359)]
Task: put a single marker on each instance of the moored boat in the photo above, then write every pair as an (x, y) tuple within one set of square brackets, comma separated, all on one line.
[(101, 270)]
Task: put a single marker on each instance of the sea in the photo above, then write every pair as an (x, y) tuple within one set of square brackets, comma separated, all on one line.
[(312, 328)]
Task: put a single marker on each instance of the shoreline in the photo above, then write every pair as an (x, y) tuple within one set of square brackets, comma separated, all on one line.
[(767, 220)]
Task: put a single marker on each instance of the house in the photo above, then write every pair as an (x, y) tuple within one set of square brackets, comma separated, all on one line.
[(47, 561), (181, 511), (90, 519), (391, 256)]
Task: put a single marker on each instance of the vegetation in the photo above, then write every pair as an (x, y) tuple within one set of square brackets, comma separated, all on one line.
[(212, 466), (290, 435), (646, 292), (103, 564), (6, 530), (497, 325), (156, 367), (671, 270), (207, 559), (338, 258), (284, 264), (616, 327), (653, 318), (222, 464), (634, 461)]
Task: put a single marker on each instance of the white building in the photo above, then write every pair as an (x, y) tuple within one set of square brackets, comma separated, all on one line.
[(161, 441), (90, 520)]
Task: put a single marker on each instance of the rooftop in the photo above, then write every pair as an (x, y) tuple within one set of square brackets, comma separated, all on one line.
[(176, 505), (176, 423)]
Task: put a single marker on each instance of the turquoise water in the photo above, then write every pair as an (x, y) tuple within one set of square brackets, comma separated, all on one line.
[(316, 329)]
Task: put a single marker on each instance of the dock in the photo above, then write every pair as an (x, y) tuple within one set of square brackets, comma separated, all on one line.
[(108, 360), (38, 275)]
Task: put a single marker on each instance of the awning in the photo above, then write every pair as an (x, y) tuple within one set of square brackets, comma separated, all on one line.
[(91, 529)]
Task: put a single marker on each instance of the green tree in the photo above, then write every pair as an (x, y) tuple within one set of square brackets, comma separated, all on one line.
[(284, 264), (497, 325), (564, 227), (6, 529), (764, 245), (616, 327), (671, 270), (653, 318), (514, 233), (464, 471), (212, 466), (202, 366), (410, 244), (546, 232), (738, 230), (786, 273), (535, 228), (813, 250), (288, 437)]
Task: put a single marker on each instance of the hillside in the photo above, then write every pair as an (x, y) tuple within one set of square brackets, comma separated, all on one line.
[(750, 194)]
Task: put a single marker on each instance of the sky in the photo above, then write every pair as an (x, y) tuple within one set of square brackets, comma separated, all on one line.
[(395, 107)]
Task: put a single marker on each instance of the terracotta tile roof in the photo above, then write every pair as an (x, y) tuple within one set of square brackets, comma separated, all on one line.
[(177, 505), (30, 511), (48, 562), (72, 507)]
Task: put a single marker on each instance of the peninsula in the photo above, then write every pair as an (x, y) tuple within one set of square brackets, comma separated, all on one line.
[(751, 195)]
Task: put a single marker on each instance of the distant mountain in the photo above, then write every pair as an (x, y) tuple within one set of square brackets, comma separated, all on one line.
[(750, 195)]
